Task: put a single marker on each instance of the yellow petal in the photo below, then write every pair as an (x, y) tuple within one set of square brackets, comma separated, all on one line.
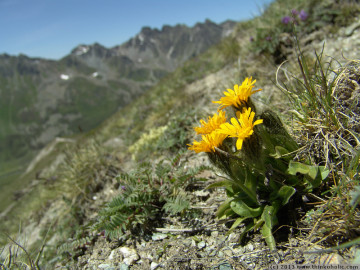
[(239, 143)]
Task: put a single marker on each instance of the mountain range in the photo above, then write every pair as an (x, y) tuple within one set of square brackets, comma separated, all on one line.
[(41, 99)]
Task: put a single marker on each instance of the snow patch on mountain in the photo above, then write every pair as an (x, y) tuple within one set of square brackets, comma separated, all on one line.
[(64, 77)]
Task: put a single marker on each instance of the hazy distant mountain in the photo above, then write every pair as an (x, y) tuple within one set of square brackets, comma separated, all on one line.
[(41, 99)]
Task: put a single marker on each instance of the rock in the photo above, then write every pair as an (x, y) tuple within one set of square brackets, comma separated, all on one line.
[(158, 236), (212, 252), (201, 245), (187, 242), (234, 237), (153, 265), (250, 247), (111, 256), (202, 193), (124, 266), (104, 265), (227, 252), (193, 243), (130, 255), (350, 29), (356, 257), (225, 266)]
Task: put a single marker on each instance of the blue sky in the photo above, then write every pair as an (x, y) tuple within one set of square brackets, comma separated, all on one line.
[(52, 28)]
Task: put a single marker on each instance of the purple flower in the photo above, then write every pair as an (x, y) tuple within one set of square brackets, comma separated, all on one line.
[(268, 38), (294, 12), (251, 39), (286, 20), (303, 15)]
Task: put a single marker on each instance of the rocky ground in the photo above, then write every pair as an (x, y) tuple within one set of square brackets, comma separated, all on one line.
[(203, 243)]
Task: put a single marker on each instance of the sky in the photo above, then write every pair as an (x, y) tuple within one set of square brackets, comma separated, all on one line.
[(52, 28)]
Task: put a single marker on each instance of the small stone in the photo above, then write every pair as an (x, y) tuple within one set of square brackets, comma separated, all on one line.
[(225, 266), (233, 237), (124, 266), (350, 29), (153, 265), (111, 256), (158, 236), (201, 193), (250, 247), (130, 255), (211, 251), (228, 252), (356, 253), (187, 242), (104, 265), (201, 245)]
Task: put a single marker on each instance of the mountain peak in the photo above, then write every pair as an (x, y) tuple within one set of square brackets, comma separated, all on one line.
[(81, 49)]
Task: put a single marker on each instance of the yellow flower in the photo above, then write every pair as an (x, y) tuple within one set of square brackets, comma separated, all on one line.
[(208, 142), (240, 128), (239, 95), (212, 124)]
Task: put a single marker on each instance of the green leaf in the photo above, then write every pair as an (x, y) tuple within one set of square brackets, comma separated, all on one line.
[(269, 216), (313, 171), (236, 223), (324, 172), (270, 220), (279, 152), (297, 167), (317, 173), (162, 169), (223, 183), (223, 207), (268, 236), (243, 210), (285, 193), (258, 223)]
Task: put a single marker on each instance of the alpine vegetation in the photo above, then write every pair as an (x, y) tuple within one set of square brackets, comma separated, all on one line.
[(256, 156)]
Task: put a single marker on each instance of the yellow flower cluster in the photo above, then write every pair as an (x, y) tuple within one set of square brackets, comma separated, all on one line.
[(242, 127), (239, 95), (208, 142), (211, 138), (217, 129), (213, 123)]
